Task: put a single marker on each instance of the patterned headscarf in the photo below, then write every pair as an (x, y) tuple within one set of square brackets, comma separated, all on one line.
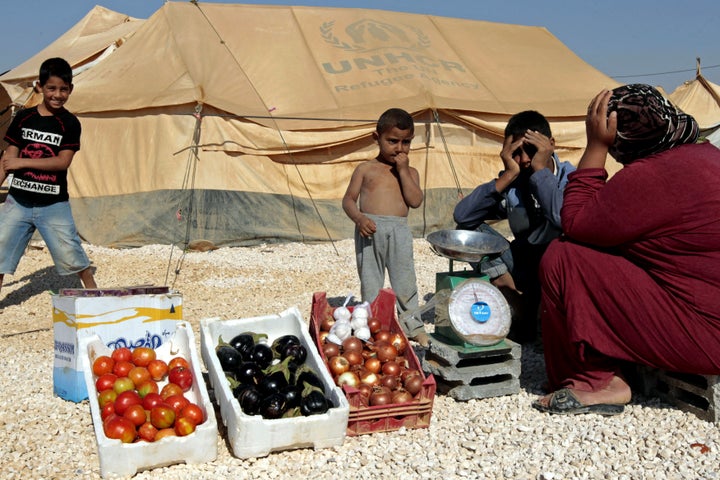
[(647, 123)]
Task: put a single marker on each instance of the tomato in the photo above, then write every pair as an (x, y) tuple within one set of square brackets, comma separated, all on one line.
[(177, 403), (178, 362), (122, 354), (107, 396), (147, 432), (162, 416), (105, 382), (138, 375), (123, 384), (125, 400), (181, 376), (193, 412), (107, 409), (102, 365), (170, 389), (120, 428), (152, 400), (122, 368), (165, 432), (136, 414), (142, 356), (183, 426), (158, 369), (148, 386)]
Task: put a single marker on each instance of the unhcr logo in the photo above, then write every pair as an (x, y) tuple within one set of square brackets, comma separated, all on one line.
[(368, 35)]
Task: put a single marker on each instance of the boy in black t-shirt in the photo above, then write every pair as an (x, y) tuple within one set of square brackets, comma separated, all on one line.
[(42, 141)]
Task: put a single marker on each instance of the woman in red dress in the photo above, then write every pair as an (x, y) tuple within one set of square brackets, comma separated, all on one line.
[(636, 276)]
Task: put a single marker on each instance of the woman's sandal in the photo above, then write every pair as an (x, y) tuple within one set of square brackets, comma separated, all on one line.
[(564, 402)]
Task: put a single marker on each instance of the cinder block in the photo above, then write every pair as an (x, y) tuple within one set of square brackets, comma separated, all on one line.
[(698, 394)]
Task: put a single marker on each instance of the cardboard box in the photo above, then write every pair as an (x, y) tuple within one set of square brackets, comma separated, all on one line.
[(379, 418), (251, 435), (120, 318), (119, 459)]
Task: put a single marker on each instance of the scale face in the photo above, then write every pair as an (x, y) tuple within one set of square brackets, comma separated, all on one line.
[(478, 312)]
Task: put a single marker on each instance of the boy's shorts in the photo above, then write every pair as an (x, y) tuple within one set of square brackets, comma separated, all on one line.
[(57, 228)]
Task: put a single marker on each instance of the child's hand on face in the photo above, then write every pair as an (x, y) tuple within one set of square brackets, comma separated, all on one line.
[(366, 226), (543, 145), (402, 160), (506, 154)]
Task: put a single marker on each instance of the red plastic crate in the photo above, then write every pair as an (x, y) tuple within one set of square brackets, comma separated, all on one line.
[(381, 418)]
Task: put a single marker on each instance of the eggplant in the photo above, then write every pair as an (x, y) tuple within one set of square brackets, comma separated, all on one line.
[(305, 374), (230, 358), (244, 342), (272, 406), (237, 389), (295, 350), (292, 394), (313, 401), (280, 343), (249, 400), (262, 355), (249, 372), (272, 383)]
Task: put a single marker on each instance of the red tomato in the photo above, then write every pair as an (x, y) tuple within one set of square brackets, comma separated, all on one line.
[(122, 354), (149, 386), (107, 396), (162, 416), (138, 375), (170, 389), (178, 362), (177, 403), (105, 382), (142, 356), (122, 368), (120, 428), (183, 426), (158, 369), (102, 365), (136, 414), (147, 432), (165, 432), (152, 400), (107, 410), (193, 412), (125, 400), (181, 376)]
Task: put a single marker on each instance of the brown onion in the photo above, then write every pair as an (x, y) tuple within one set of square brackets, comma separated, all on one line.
[(355, 358), (374, 324), (370, 378), (365, 390), (380, 396), (413, 384), (391, 368), (331, 350), (373, 364), (399, 342), (350, 379), (352, 344), (327, 324), (338, 365), (389, 381), (385, 351), (401, 396), (382, 336)]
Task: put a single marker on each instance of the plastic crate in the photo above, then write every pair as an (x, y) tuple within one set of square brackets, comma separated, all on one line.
[(381, 418), (251, 435), (119, 459)]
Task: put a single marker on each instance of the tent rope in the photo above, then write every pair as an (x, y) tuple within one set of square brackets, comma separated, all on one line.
[(447, 152), (277, 127), (188, 185)]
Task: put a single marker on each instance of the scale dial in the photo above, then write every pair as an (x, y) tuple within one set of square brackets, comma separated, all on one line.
[(478, 312)]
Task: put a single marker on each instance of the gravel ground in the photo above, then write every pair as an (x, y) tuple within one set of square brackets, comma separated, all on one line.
[(43, 436)]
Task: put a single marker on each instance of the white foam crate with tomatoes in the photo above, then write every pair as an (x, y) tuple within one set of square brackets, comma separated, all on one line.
[(151, 436), (267, 411)]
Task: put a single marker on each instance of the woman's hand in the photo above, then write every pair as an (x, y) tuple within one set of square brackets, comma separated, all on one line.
[(600, 130)]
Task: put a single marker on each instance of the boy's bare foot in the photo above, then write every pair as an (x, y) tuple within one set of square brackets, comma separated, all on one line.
[(422, 338)]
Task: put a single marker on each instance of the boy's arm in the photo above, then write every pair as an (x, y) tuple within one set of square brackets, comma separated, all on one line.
[(549, 190), (350, 205), (409, 181), (10, 151), (62, 161)]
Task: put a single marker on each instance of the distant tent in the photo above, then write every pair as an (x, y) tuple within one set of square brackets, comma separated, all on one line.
[(701, 99), (241, 124)]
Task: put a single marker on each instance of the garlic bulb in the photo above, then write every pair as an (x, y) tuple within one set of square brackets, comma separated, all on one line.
[(341, 313), (341, 329), (363, 333), (331, 337), (358, 322), (362, 310)]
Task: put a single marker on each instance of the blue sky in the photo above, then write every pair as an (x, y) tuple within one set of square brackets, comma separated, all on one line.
[(631, 40)]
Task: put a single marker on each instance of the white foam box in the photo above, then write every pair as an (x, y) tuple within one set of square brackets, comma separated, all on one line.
[(121, 317), (251, 435), (119, 459)]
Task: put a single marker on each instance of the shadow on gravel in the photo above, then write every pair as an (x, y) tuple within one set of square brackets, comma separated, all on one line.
[(36, 283)]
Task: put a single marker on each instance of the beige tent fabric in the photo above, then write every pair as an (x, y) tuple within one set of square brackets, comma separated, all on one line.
[(242, 124), (701, 99)]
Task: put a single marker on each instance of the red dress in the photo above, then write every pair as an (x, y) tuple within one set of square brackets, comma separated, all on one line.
[(637, 276)]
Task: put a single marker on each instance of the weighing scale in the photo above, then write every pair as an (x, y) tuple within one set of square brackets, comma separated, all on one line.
[(471, 314)]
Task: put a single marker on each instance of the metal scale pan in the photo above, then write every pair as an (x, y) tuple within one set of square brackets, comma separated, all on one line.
[(466, 245)]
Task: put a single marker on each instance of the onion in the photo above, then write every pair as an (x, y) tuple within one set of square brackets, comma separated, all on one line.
[(380, 396), (385, 351), (355, 358), (331, 350), (350, 379), (338, 365), (401, 396), (391, 368), (365, 390), (398, 340), (383, 336), (413, 384), (389, 381), (374, 324), (373, 364), (352, 344), (327, 324), (370, 378)]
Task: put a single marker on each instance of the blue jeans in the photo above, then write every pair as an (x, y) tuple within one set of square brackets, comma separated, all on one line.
[(57, 228)]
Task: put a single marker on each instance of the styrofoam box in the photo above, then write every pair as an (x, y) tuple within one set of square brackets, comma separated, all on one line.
[(124, 459), (252, 435)]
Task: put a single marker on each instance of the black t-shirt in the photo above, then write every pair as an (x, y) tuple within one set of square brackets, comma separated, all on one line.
[(37, 136)]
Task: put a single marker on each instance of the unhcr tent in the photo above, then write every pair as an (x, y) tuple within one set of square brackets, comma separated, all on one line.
[(241, 124), (701, 99)]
